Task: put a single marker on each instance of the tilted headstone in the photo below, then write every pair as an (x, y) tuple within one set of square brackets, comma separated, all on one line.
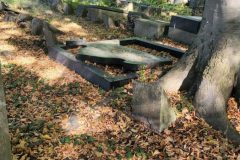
[(150, 105)]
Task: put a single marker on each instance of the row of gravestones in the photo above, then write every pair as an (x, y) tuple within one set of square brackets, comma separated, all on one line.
[(181, 28)]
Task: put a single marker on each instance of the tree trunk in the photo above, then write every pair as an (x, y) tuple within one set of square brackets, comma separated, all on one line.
[(213, 74), (197, 7)]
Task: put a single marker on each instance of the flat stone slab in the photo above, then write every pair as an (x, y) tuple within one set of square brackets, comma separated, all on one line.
[(186, 23), (112, 53)]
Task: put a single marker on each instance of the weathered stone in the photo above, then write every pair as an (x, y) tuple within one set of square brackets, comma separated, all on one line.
[(112, 53), (132, 16), (49, 36), (3, 6), (184, 29), (108, 22), (10, 17), (150, 29), (56, 5), (181, 36), (5, 151), (25, 24), (67, 9), (23, 18), (36, 26), (178, 1), (95, 15), (81, 11), (186, 23), (150, 105)]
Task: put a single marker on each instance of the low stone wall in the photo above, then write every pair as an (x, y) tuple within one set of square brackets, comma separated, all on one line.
[(5, 146)]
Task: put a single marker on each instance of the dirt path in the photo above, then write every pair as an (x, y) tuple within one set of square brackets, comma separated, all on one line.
[(51, 115)]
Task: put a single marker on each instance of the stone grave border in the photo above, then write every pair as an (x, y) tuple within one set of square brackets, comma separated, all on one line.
[(98, 76), (152, 45), (89, 72)]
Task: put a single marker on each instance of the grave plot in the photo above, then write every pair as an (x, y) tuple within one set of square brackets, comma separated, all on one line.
[(109, 64)]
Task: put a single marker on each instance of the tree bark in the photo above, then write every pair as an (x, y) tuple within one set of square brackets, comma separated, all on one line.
[(213, 73)]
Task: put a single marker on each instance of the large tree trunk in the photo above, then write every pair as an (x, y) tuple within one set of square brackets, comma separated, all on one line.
[(213, 74), (197, 7), (217, 67)]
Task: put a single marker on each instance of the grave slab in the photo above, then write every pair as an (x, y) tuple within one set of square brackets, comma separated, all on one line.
[(149, 28), (113, 53)]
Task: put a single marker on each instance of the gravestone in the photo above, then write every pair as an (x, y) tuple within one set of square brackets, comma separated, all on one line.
[(108, 22), (150, 105), (132, 17), (184, 29), (36, 26), (95, 15), (112, 53), (67, 9), (149, 28), (81, 11)]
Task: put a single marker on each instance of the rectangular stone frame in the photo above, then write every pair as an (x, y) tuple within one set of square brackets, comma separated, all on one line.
[(89, 72), (148, 44), (98, 76)]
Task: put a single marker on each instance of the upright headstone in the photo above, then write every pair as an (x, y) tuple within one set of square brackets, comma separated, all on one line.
[(184, 29)]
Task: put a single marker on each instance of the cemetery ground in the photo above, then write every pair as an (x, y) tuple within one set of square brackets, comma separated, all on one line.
[(54, 113)]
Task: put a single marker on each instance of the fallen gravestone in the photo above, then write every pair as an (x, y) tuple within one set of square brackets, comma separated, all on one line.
[(112, 53), (149, 28), (150, 105), (184, 28)]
